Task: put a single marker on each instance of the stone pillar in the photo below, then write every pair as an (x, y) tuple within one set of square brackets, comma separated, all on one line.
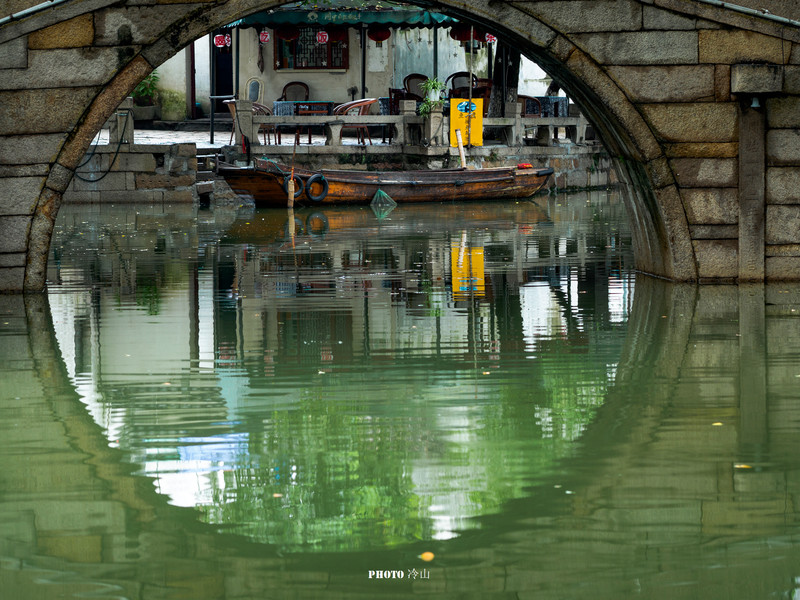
[(120, 125), (750, 82), (408, 109), (517, 131), (751, 193), (244, 122), (333, 133)]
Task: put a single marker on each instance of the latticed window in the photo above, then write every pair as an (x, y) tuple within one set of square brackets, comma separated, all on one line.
[(313, 48)]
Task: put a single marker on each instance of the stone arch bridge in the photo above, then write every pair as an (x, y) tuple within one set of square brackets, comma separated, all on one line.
[(697, 100)]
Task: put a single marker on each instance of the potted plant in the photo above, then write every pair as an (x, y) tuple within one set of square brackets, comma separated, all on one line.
[(430, 109), (432, 89), (144, 97)]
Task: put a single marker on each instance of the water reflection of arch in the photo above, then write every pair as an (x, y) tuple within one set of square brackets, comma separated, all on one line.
[(128, 536)]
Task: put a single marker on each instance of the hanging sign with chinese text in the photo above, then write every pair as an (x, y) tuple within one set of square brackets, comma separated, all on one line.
[(263, 37), (220, 41), (322, 37)]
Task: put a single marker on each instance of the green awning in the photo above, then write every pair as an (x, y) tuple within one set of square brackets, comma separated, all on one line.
[(340, 13)]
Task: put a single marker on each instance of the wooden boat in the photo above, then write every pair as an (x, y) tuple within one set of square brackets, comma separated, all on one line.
[(267, 183)]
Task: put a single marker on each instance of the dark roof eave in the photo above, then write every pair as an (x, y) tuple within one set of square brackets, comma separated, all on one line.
[(323, 18)]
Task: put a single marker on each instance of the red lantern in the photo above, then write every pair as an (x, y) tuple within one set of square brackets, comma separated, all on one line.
[(379, 33), (288, 32), (220, 41), (460, 32)]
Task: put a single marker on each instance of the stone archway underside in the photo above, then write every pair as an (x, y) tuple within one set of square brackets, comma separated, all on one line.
[(669, 84)]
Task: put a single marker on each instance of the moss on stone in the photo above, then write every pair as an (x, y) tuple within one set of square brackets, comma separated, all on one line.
[(173, 105)]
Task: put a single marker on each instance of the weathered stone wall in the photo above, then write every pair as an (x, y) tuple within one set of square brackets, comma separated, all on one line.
[(655, 78), (138, 173)]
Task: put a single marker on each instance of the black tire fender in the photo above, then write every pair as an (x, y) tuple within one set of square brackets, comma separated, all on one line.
[(317, 178), (298, 185)]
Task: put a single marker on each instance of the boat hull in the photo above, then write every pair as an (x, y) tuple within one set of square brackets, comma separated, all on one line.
[(265, 184)]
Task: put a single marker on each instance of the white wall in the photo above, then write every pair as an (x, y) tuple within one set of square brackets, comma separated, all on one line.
[(407, 51), (202, 67), (323, 84)]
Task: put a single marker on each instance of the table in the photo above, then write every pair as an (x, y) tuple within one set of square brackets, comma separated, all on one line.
[(287, 108), (290, 108)]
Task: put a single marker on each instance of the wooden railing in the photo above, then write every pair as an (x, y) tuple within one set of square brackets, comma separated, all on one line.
[(411, 129)]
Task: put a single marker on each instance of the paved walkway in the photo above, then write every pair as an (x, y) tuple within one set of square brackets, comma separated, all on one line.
[(222, 137)]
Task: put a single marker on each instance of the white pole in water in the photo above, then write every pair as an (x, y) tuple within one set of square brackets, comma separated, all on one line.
[(461, 149)]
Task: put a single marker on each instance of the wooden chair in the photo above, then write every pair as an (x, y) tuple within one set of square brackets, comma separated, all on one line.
[(294, 91), (357, 107), (266, 128), (460, 79), (412, 82), (398, 94), (258, 109), (395, 96), (531, 107)]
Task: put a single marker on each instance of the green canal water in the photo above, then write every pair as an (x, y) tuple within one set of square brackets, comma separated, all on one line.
[(447, 401)]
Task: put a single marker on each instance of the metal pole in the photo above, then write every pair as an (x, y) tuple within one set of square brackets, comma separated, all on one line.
[(363, 60), (236, 88), (505, 83), (435, 51), (213, 81)]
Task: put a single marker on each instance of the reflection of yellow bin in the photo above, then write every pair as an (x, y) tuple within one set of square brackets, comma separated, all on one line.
[(470, 122), (466, 265)]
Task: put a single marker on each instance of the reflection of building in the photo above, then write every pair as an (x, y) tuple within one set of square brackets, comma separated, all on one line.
[(240, 359)]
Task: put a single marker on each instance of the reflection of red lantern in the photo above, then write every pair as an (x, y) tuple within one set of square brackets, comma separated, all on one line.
[(379, 33), (263, 37), (337, 34), (322, 37), (288, 32)]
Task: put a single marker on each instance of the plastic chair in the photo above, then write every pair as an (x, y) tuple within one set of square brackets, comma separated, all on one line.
[(357, 107)]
